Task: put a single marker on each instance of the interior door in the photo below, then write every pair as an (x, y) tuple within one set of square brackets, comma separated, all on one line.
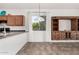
[(37, 27)]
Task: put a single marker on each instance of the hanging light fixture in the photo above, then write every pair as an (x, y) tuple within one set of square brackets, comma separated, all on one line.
[(39, 14), (39, 9)]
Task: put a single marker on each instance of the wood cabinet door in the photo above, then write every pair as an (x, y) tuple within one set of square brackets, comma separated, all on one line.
[(63, 36), (3, 17), (56, 35), (73, 35), (53, 36), (55, 24), (11, 21), (19, 20), (77, 35), (74, 24)]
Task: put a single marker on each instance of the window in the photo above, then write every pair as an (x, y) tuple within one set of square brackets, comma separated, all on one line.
[(38, 23)]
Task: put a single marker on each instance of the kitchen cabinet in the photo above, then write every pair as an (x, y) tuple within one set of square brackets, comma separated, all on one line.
[(74, 24), (77, 35), (78, 24), (63, 35), (55, 23), (19, 20), (11, 21), (3, 17), (57, 35), (16, 20), (73, 35)]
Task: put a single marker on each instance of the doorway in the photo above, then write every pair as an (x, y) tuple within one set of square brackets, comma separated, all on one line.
[(37, 27)]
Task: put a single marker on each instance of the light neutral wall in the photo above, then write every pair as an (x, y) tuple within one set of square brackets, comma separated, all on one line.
[(65, 12)]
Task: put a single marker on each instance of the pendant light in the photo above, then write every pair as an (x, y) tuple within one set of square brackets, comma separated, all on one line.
[(39, 14), (39, 9)]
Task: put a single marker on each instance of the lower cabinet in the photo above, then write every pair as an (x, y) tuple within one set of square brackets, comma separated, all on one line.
[(73, 35), (58, 35), (77, 35), (62, 35)]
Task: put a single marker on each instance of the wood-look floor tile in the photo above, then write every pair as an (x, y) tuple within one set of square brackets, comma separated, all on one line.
[(47, 48)]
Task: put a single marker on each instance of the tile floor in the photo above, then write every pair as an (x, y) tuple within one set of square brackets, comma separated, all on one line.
[(48, 48)]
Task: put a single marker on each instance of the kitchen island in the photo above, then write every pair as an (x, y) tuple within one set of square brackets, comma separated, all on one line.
[(12, 42)]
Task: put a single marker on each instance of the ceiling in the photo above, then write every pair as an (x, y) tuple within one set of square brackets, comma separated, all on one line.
[(42, 5)]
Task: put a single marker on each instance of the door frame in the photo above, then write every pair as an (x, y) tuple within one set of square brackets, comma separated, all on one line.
[(31, 32)]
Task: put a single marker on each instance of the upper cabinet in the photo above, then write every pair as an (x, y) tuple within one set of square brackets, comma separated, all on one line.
[(74, 24), (13, 20), (55, 23), (65, 23), (3, 17), (19, 20)]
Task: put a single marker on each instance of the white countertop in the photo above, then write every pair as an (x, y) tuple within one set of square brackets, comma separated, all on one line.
[(10, 34)]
